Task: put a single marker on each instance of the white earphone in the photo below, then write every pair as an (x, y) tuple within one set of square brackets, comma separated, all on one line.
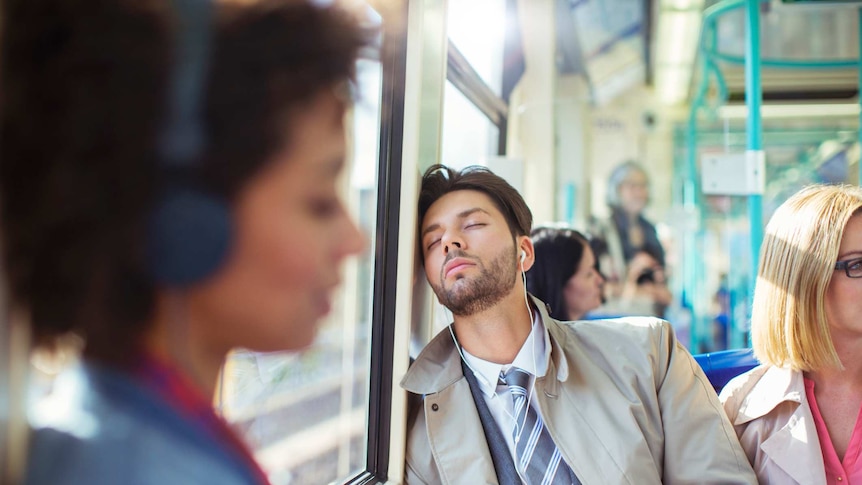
[(531, 342), (524, 279)]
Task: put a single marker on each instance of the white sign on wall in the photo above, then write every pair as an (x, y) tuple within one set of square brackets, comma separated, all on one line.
[(733, 173)]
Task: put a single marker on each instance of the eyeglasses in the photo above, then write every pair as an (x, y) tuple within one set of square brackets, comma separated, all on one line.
[(852, 267)]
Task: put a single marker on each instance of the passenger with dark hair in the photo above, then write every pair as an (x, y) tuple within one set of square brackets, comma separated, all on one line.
[(565, 275), (104, 150), (506, 394)]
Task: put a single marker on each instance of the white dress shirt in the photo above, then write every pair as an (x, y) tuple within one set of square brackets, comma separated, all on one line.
[(533, 358)]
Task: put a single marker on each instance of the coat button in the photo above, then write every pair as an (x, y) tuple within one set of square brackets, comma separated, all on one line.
[(435, 407)]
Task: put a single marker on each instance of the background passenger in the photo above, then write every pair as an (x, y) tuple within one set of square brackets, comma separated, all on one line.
[(632, 245), (644, 291), (797, 415), (565, 275), (91, 160), (509, 394), (720, 319)]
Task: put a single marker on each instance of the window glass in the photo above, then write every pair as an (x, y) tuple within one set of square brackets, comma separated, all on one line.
[(305, 414), (478, 30), (469, 137)]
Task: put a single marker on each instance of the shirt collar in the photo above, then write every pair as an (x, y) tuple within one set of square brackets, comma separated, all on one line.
[(533, 358)]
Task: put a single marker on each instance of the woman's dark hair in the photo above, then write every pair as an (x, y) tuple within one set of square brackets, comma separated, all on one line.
[(84, 85), (440, 180), (558, 257)]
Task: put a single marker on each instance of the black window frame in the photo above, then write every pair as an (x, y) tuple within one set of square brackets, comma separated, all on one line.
[(393, 60)]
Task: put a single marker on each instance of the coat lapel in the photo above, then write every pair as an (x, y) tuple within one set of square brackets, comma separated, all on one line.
[(795, 448), (456, 436), (587, 453)]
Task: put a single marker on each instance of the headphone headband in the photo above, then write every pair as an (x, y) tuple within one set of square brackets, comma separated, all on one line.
[(189, 231), (183, 137)]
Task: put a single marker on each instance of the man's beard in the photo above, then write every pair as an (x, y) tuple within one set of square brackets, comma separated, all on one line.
[(467, 297)]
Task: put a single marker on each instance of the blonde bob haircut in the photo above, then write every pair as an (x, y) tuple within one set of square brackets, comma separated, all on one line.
[(797, 261)]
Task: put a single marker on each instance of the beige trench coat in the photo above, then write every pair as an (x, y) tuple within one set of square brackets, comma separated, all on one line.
[(769, 409), (623, 400)]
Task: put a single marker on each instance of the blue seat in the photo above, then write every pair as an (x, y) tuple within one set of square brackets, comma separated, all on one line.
[(720, 367)]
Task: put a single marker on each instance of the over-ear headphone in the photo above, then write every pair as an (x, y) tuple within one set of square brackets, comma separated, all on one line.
[(189, 231)]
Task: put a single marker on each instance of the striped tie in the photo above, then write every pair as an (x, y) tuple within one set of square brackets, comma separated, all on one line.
[(537, 458)]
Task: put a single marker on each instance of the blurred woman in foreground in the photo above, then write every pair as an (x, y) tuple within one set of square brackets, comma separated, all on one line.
[(109, 165)]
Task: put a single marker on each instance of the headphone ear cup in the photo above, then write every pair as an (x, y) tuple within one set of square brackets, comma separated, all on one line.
[(188, 231), (189, 236)]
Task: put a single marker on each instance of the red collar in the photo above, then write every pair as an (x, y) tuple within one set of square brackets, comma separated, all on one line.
[(179, 391)]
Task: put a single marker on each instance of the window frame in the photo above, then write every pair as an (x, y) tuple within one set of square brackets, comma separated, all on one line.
[(393, 59), (465, 78)]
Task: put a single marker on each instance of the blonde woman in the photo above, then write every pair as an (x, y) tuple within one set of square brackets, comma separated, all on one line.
[(796, 415)]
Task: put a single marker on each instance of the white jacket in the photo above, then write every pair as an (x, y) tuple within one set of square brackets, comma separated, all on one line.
[(770, 412)]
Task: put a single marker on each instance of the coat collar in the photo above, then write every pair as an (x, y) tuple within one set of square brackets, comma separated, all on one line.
[(557, 361), (437, 366), (776, 386)]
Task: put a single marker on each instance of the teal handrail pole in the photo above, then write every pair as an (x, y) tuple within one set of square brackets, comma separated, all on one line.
[(692, 272), (689, 207), (710, 14), (691, 269), (754, 153), (571, 192), (813, 64)]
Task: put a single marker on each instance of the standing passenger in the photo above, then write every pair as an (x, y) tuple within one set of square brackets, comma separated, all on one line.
[(797, 415), (110, 168), (565, 275), (633, 251), (510, 394)]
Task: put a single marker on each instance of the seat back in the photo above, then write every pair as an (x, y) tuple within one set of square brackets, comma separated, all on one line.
[(720, 367)]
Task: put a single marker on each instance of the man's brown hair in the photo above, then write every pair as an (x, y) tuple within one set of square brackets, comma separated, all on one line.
[(440, 180)]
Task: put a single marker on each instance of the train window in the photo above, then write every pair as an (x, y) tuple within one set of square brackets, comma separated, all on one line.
[(469, 137), (305, 415), (483, 48)]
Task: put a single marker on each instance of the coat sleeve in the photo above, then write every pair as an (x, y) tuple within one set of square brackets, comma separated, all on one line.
[(700, 445)]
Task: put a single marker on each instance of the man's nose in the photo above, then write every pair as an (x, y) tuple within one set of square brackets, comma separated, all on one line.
[(450, 245)]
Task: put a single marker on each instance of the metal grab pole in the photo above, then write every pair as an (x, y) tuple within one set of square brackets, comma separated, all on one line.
[(754, 153)]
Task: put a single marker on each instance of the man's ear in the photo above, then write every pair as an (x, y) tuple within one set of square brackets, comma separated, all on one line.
[(525, 248)]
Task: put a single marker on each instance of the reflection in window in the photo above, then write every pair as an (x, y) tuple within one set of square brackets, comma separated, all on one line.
[(469, 137), (305, 414), (478, 30)]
